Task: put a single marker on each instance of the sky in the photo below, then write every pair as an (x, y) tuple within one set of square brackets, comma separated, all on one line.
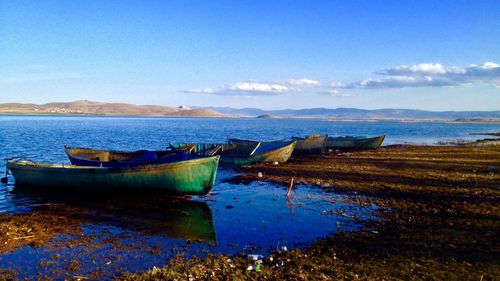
[(432, 55)]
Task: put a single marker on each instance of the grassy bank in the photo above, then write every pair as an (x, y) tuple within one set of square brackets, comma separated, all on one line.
[(439, 209)]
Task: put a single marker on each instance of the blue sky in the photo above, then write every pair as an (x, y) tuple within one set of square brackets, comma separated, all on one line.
[(436, 55)]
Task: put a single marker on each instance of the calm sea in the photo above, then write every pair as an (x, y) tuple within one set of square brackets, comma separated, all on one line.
[(42, 137)]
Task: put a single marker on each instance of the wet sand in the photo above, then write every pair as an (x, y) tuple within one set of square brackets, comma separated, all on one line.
[(440, 209)]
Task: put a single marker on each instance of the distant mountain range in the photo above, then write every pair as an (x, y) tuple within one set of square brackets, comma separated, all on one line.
[(354, 113), (85, 107)]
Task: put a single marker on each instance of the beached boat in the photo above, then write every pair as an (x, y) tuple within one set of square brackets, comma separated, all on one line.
[(313, 144), (109, 158), (354, 143), (270, 151), (240, 154), (191, 177)]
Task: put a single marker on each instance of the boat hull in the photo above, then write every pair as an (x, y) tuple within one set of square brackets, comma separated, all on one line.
[(191, 177), (119, 159), (281, 154), (246, 152), (310, 145), (354, 143)]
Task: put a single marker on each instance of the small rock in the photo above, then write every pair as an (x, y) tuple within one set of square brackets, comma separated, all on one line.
[(259, 174)]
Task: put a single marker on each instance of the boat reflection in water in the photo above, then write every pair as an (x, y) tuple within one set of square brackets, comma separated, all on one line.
[(147, 213)]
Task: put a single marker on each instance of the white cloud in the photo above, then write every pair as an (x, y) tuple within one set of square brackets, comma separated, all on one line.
[(200, 91), (422, 69), (402, 82), (429, 75), (484, 71), (258, 87), (403, 76), (334, 93), (253, 88), (244, 89), (303, 82)]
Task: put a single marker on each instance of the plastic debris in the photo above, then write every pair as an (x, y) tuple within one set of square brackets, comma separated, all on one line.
[(254, 268), (284, 248), (276, 163), (259, 174), (280, 264)]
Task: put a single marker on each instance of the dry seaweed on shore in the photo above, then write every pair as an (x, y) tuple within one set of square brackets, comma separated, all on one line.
[(36, 228), (440, 219)]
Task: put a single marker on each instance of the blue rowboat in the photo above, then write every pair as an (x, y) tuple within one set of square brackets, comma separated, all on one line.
[(118, 159)]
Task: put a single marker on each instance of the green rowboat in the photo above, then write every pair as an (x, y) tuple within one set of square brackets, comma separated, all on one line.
[(190, 177), (313, 144), (242, 154), (275, 151), (354, 143)]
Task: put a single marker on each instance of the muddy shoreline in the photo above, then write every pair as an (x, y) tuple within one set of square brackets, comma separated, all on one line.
[(439, 210)]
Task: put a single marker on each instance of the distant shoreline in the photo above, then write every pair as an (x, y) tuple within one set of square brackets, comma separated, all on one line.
[(326, 118), (102, 109)]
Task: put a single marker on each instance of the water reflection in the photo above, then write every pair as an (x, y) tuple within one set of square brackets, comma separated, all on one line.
[(108, 232), (146, 212)]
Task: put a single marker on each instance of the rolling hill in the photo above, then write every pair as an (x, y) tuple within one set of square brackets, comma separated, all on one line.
[(85, 107)]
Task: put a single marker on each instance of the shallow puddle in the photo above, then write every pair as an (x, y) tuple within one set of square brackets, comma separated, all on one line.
[(137, 232)]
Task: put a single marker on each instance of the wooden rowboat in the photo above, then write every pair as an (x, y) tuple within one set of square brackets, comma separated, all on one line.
[(190, 177), (354, 143), (313, 144), (246, 153), (117, 159)]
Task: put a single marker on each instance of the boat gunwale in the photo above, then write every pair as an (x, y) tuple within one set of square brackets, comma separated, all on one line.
[(355, 138), (26, 164), (285, 146)]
